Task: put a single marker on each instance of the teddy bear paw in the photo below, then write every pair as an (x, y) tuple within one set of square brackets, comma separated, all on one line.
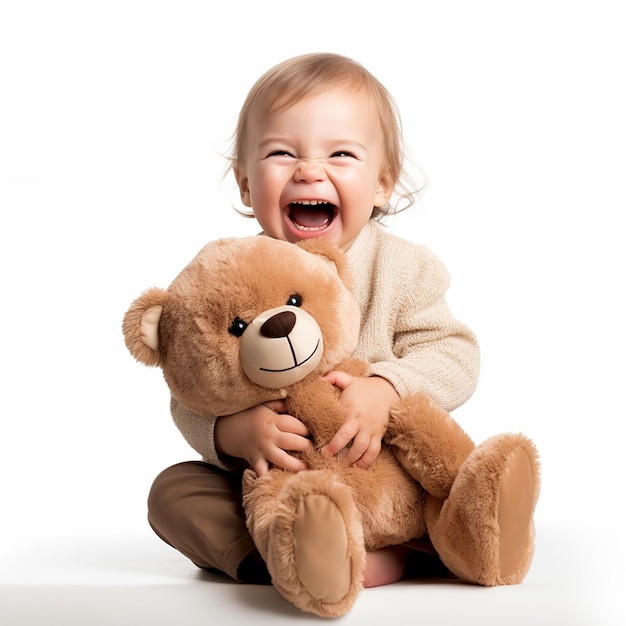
[(484, 531), (515, 509), (321, 548), (315, 553)]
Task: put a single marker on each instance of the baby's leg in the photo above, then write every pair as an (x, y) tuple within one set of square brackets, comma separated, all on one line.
[(385, 566), (197, 509)]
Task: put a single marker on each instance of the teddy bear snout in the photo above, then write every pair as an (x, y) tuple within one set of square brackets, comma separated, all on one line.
[(281, 346), (279, 325)]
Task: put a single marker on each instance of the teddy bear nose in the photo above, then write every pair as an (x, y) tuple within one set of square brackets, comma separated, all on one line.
[(279, 325)]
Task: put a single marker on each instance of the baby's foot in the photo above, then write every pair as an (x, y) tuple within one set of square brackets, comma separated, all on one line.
[(385, 566)]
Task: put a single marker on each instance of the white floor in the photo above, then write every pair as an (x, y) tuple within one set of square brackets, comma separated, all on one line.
[(136, 580)]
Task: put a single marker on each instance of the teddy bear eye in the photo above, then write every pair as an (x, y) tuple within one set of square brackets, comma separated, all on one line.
[(237, 327), (294, 300)]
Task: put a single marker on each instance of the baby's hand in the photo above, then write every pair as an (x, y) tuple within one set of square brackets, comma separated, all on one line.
[(366, 403), (263, 436)]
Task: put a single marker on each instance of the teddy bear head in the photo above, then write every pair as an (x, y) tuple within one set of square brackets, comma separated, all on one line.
[(245, 320)]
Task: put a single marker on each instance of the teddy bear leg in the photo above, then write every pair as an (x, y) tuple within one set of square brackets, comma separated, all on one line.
[(316, 554), (484, 531), (429, 444), (259, 497)]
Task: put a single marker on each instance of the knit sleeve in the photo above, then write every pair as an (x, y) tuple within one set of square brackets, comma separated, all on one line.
[(431, 351), (198, 432)]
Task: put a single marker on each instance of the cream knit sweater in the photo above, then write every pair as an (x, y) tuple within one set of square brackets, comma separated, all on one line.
[(408, 334)]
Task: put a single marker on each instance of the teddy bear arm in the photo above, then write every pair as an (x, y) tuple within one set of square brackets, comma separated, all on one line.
[(354, 367), (428, 443)]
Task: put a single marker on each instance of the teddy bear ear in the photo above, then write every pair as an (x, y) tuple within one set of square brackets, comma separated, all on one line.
[(141, 326), (333, 254)]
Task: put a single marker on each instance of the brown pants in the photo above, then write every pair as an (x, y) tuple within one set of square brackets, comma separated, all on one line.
[(196, 508)]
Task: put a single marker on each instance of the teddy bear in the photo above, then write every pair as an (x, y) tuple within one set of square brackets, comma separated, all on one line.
[(253, 319)]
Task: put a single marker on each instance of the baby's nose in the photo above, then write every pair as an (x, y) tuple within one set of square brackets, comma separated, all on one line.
[(310, 170)]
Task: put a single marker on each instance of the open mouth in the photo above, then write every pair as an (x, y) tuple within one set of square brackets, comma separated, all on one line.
[(311, 215)]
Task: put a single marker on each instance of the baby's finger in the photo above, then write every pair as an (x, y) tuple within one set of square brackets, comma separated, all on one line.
[(370, 455), (341, 438), (338, 379), (290, 424), (285, 461), (360, 446), (261, 467), (278, 406), (292, 442)]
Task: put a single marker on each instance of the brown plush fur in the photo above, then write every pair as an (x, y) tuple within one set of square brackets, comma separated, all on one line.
[(313, 528)]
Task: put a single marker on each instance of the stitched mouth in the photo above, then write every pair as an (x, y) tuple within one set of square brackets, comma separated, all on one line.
[(311, 215), (296, 364)]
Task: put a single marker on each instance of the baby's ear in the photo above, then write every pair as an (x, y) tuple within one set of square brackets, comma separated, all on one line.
[(141, 326)]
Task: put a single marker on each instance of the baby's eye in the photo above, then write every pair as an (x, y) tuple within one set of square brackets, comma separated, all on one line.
[(294, 300), (343, 153), (237, 327), (280, 153)]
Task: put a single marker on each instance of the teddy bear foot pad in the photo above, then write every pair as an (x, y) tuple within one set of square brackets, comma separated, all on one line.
[(515, 509), (484, 532), (321, 549), (315, 550)]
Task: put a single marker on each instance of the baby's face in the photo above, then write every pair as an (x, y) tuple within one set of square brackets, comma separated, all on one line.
[(316, 168)]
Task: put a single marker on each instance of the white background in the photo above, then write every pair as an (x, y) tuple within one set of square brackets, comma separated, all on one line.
[(114, 117)]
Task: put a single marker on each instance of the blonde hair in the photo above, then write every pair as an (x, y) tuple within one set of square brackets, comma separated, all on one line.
[(293, 80)]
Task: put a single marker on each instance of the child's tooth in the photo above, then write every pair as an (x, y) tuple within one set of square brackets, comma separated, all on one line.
[(309, 202)]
